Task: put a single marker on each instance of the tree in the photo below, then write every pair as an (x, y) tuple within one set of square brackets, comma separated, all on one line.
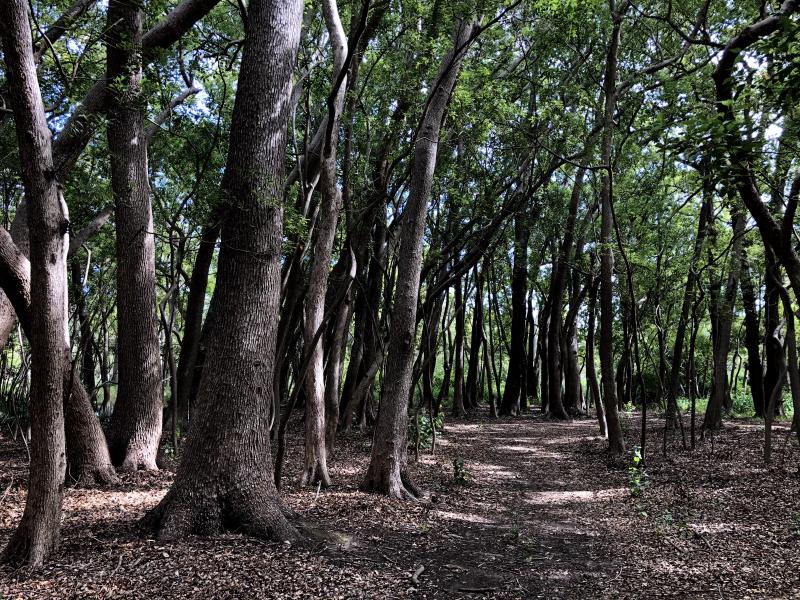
[(225, 478), (37, 534), (136, 422), (387, 473)]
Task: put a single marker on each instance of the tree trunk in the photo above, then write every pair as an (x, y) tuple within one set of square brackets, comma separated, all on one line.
[(519, 292), (135, 428), (387, 469), (37, 534), (458, 353), (725, 314), (752, 336), (591, 372), (225, 477), (193, 321), (476, 338), (616, 443)]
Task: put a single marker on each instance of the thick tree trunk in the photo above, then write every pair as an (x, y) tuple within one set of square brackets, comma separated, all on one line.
[(135, 428), (519, 292), (37, 534), (225, 478), (387, 469)]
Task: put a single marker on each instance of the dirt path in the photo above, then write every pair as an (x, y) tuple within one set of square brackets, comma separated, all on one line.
[(543, 515)]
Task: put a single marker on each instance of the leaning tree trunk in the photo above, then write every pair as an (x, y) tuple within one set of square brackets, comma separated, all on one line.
[(135, 427), (315, 464), (225, 478), (37, 534), (387, 468)]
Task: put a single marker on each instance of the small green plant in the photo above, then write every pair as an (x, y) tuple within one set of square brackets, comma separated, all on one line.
[(169, 450), (637, 476), (422, 424), (460, 473)]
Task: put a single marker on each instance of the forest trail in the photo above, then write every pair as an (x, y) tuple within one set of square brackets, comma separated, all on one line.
[(542, 515)]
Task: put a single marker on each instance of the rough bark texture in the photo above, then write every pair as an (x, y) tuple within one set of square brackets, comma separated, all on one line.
[(386, 472), (315, 464), (225, 478), (135, 427), (88, 461), (37, 534), (755, 374)]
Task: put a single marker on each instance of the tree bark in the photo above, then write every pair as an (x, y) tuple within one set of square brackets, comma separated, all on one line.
[(225, 477), (135, 428), (387, 468), (37, 534)]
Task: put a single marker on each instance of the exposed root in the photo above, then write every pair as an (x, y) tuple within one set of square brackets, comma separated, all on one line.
[(179, 515), (394, 483), (92, 476)]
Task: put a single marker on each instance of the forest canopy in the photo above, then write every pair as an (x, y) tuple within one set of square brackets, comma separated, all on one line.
[(234, 229)]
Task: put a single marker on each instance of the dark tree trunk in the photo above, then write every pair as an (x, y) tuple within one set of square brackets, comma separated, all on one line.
[(135, 428), (225, 479), (37, 534), (725, 314), (616, 443), (532, 357), (386, 472), (85, 344), (752, 334), (591, 372), (458, 352), (519, 292), (683, 319), (193, 320), (476, 338)]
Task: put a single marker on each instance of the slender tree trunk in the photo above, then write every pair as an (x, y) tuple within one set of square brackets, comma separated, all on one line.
[(519, 291), (225, 478), (193, 320), (752, 334), (387, 469), (591, 372), (476, 338), (616, 443), (135, 428), (458, 358), (713, 416)]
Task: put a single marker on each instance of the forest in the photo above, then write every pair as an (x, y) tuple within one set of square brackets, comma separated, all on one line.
[(399, 298)]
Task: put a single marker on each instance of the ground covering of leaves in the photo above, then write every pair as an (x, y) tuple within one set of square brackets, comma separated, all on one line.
[(544, 514)]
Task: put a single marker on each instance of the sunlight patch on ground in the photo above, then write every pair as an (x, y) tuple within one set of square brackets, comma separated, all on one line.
[(556, 497), (465, 517)]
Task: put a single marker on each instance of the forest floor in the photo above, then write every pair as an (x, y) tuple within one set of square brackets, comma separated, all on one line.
[(544, 514)]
